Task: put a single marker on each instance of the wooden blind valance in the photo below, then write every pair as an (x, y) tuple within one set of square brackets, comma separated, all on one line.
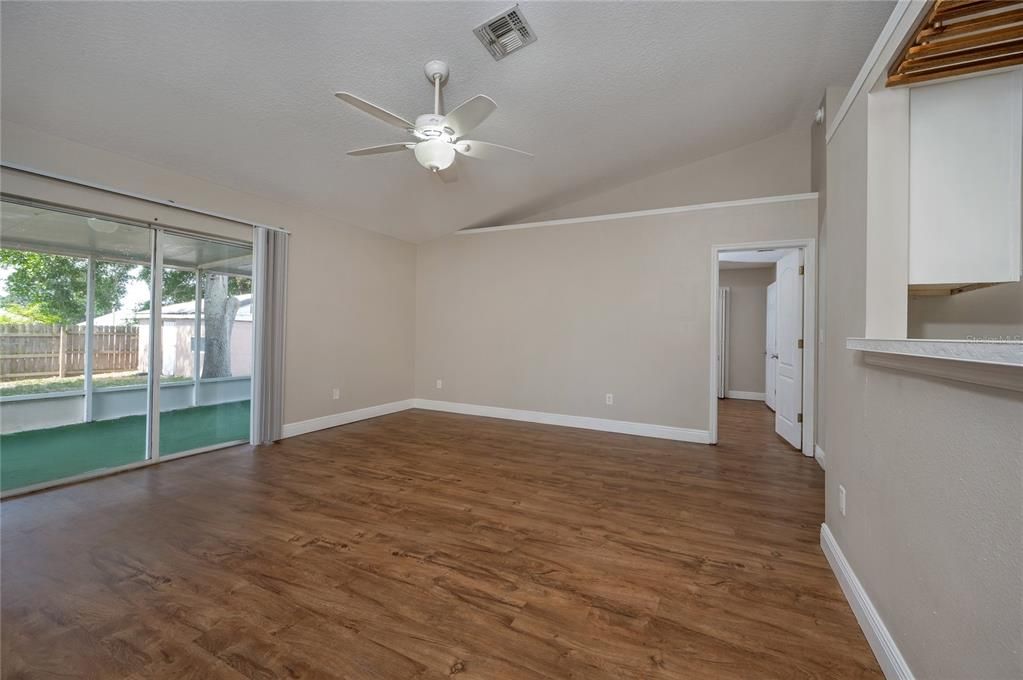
[(957, 37)]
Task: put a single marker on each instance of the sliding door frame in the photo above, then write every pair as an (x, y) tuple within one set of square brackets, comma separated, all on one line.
[(90, 340), (155, 366), (151, 454)]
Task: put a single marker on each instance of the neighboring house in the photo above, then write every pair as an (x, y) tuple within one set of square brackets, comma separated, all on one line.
[(178, 322), (118, 317)]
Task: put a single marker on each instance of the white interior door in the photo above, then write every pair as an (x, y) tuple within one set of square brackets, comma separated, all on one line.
[(789, 376), (771, 348)]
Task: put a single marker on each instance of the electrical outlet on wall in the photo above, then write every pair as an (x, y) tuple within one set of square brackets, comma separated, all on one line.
[(841, 499), (440, 384), (337, 393), (609, 399)]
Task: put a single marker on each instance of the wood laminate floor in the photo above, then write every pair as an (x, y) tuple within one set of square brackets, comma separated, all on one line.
[(431, 545)]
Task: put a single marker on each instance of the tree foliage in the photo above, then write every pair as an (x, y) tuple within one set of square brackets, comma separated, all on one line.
[(53, 288), (179, 285)]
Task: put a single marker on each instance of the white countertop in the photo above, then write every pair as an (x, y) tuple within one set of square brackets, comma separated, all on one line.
[(984, 362), (975, 351)]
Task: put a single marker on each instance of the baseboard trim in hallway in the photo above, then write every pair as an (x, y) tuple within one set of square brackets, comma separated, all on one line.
[(881, 641), (681, 434), (739, 394)]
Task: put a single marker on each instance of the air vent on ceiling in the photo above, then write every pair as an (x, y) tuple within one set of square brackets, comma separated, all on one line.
[(507, 32)]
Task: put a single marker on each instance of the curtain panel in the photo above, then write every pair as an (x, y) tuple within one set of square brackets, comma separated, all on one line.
[(270, 290)]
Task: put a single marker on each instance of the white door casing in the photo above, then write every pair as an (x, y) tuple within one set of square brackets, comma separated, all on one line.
[(771, 347), (723, 326), (808, 247), (789, 376)]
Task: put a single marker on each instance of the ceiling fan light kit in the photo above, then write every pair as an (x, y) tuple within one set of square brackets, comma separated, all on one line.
[(437, 137), (435, 154)]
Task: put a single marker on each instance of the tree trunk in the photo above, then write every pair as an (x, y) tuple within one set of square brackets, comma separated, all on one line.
[(219, 310)]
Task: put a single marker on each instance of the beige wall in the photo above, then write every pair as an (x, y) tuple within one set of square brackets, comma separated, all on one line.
[(552, 318), (933, 471), (748, 326), (775, 166), (351, 295), (994, 313)]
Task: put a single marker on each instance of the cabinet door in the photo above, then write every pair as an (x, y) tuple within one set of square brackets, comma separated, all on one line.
[(965, 156)]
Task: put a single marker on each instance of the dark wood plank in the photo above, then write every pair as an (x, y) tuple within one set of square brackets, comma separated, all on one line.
[(964, 57), (953, 45), (939, 31), (1004, 61), (429, 545), (930, 52), (952, 10)]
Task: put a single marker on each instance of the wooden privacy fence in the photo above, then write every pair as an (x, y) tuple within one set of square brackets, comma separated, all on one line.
[(32, 350)]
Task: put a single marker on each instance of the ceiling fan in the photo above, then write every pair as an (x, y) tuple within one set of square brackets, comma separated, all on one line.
[(438, 137)]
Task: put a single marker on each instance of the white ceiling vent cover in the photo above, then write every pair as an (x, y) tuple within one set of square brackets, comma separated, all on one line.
[(505, 33)]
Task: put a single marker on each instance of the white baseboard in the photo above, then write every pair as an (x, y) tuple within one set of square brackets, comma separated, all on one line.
[(313, 424), (818, 454), (739, 394), (881, 642), (681, 434)]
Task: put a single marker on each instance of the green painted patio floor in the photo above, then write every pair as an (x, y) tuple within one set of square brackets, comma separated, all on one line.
[(44, 455)]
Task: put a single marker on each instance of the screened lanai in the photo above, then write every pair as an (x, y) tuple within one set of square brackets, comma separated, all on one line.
[(93, 375)]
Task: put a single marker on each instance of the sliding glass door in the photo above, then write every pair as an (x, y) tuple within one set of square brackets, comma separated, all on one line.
[(206, 332), (72, 388), (99, 368)]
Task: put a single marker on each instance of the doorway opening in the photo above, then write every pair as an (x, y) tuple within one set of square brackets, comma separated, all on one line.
[(762, 334)]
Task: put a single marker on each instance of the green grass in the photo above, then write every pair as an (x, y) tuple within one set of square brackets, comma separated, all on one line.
[(77, 384), (57, 452)]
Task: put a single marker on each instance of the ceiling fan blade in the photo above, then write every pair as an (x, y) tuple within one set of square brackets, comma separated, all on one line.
[(374, 110), (469, 114), (486, 150), (383, 148)]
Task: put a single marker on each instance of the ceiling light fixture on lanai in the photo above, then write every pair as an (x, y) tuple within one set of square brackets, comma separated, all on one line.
[(438, 137), (101, 226)]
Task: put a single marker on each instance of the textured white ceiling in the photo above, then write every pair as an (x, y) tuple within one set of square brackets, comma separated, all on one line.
[(241, 93)]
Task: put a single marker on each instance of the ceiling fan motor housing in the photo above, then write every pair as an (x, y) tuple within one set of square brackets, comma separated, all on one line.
[(431, 126)]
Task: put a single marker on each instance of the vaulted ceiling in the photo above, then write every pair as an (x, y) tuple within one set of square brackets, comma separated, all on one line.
[(241, 93)]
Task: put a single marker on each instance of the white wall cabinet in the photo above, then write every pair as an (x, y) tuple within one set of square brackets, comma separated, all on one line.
[(965, 186)]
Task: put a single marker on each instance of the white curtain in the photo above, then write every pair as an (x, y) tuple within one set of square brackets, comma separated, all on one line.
[(723, 329), (269, 290)]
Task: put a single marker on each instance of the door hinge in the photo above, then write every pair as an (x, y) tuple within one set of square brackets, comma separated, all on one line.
[(802, 270), (799, 418), (799, 344)]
